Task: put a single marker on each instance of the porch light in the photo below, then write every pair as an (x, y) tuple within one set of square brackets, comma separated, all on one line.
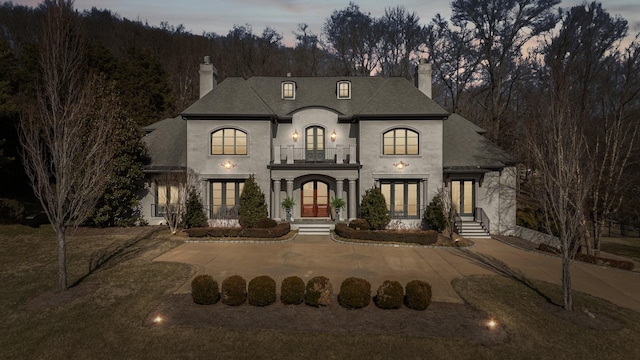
[(228, 165), (401, 165), (295, 135), (334, 135)]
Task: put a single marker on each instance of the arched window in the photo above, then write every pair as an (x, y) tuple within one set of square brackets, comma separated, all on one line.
[(344, 90), (400, 142), (289, 90), (229, 142)]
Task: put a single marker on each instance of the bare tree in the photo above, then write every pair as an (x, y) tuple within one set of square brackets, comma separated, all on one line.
[(562, 178), (173, 191), (400, 42), (67, 140), (501, 28)]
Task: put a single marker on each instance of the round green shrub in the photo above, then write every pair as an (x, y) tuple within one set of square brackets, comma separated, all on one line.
[(390, 295), (292, 291), (266, 223), (318, 292), (204, 290), (359, 224), (262, 291), (355, 293), (234, 290), (418, 295)]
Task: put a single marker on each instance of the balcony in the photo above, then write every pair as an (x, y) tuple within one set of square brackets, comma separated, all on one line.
[(288, 154)]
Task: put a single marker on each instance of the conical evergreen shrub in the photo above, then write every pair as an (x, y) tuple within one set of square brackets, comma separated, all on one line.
[(253, 205), (373, 208), (194, 214), (434, 215)]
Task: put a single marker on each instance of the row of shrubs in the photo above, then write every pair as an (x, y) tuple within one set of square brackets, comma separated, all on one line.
[(620, 264), (422, 237), (355, 293), (271, 229)]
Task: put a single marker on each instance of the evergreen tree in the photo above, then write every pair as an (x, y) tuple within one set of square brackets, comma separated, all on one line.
[(434, 215), (194, 214), (120, 203), (373, 208), (253, 206)]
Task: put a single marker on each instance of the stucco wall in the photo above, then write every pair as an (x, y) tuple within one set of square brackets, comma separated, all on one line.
[(208, 166), (426, 165), (497, 197)]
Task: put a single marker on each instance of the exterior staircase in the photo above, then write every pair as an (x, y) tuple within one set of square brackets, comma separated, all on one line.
[(313, 227), (469, 228)]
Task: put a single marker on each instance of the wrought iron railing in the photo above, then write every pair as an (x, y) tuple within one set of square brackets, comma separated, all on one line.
[(483, 219)]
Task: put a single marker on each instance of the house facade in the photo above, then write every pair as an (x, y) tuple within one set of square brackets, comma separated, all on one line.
[(313, 139)]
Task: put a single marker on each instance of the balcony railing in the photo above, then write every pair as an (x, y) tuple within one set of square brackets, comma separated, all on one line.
[(288, 154)]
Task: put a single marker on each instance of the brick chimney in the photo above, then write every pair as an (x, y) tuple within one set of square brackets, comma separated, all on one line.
[(424, 77), (208, 76)]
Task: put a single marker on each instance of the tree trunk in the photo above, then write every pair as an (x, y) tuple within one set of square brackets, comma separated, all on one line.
[(567, 299), (62, 258)]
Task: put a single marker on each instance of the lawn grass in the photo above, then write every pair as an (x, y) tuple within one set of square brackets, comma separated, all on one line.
[(627, 247), (105, 318)]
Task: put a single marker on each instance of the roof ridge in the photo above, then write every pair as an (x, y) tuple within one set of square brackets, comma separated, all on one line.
[(386, 81), (246, 83)]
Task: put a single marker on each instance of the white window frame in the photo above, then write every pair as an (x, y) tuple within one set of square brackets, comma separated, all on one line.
[(338, 92), (285, 84)]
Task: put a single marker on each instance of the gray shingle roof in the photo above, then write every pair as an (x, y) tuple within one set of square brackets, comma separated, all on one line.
[(466, 150), (262, 97), (167, 145)]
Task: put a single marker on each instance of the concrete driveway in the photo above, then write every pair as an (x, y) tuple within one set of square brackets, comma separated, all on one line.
[(309, 256)]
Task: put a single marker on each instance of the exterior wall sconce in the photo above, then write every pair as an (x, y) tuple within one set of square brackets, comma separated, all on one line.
[(401, 165), (334, 135), (228, 165), (295, 135)]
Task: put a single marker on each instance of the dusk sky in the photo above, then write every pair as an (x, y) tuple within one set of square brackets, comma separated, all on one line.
[(219, 16)]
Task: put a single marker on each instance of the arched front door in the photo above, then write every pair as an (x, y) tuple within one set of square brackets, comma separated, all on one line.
[(315, 199)]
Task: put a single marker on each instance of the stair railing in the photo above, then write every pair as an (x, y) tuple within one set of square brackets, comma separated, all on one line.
[(481, 217)]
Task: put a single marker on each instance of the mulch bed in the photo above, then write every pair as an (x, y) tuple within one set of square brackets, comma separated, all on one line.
[(439, 320)]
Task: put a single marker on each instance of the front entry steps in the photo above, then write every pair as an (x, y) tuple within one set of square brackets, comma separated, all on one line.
[(472, 229), (313, 227)]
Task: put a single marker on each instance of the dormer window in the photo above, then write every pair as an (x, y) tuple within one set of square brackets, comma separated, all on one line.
[(289, 90), (344, 90)]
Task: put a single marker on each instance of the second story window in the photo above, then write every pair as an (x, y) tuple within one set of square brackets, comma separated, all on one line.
[(288, 90), (344, 90), (400, 142), (229, 142)]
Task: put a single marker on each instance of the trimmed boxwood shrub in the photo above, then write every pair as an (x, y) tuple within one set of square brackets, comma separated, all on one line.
[(266, 223), (204, 290), (292, 291), (355, 293), (390, 295), (418, 295), (262, 291), (234, 290), (420, 237), (274, 232), (318, 292), (359, 224)]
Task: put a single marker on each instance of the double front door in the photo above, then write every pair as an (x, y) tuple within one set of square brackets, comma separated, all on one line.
[(315, 199), (462, 196)]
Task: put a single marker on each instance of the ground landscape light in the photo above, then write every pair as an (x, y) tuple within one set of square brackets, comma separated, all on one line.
[(491, 324), (157, 319)]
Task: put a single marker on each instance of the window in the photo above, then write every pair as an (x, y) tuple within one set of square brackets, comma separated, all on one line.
[(167, 195), (403, 198), (344, 90), (225, 198), (288, 90), (400, 142), (229, 142)]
